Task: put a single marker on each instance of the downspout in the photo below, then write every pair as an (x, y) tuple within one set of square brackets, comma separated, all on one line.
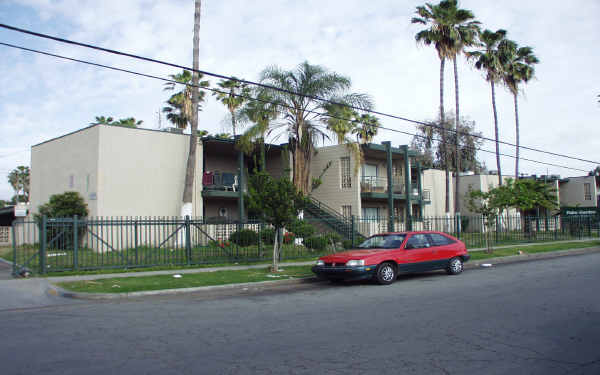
[(420, 187)]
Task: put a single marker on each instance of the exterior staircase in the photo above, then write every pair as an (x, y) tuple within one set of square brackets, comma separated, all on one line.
[(330, 218)]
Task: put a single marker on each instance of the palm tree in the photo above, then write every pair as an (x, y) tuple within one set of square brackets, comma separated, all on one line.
[(233, 96), (367, 128), (18, 178), (490, 60), (301, 112), (260, 112), (129, 122), (340, 121), (179, 106), (518, 68), (102, 120), (450, 30)]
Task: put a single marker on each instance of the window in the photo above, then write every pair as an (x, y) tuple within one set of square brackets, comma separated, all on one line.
[(87, 183), (346, 175), (439, 240), (587, 191), (370, 213), (399, 214), (417, 241), (347, 211), (71, 181)]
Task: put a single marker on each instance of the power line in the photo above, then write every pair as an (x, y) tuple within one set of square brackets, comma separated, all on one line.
[(265, 101), (216, 75)]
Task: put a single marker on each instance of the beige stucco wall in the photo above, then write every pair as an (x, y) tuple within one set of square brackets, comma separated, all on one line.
[(330, 192), (572, 193), (434, 180), (132, 172), (142, 173), (55, 161)]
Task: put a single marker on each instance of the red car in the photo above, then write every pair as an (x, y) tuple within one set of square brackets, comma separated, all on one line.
[(383, 256)]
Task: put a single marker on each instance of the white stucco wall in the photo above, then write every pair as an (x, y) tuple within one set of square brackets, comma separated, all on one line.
[(434, 180), (67, 163), (119, 171)]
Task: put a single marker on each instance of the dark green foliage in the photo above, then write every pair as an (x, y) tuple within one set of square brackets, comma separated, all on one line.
[(464, 222), (333, 237), (244, 237), (67, 204), (316, 242), (347, 244), (267, 236), (301, 228)]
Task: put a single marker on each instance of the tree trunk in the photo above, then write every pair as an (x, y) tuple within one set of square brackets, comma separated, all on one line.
[(517, 136), (275, 266), (496, 133), (186, 208), (444, 138), (456, 143), (233, 122)]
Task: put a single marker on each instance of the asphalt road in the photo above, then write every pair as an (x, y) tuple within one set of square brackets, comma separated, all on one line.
[(539, 317)]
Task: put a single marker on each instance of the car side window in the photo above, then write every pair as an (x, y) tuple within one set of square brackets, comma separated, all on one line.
[(439, 240), (417, 241)]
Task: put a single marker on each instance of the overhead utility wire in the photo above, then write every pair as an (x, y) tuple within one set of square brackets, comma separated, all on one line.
[(216, 75), (264, 101)]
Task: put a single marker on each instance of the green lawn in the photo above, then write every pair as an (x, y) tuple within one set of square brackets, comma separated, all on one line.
[(542, 248), (143, 283)]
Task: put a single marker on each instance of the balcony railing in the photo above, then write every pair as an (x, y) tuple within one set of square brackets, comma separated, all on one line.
[(373, 184), (226, 181)]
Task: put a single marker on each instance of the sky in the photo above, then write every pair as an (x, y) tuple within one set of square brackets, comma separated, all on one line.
[(371, 42)]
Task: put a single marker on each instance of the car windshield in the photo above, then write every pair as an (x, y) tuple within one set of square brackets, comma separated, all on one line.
[(383, 241)]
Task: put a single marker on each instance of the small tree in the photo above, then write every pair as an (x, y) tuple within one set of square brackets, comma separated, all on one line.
[(484, 204), (277, 202)]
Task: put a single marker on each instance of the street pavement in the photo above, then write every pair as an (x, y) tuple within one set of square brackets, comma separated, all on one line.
[(540, 317)]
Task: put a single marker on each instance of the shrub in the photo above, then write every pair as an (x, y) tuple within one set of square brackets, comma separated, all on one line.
[(301, 229), (315, 243), (347, 244), (60, 234), (288, 238), (333, 237), (244, 237), (267, 235)]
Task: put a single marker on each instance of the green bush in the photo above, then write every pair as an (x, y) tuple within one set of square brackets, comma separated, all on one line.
[(301, 229), (333, 237), (315, 243), (347, 244), (267, 235), (244, 237), (60, 234)]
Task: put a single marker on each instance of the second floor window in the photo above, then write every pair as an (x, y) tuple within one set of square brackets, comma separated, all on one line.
[(346, 174), (347, 211), (587, 191)]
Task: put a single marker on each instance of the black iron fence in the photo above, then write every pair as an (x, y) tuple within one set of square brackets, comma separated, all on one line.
[(71, 244)]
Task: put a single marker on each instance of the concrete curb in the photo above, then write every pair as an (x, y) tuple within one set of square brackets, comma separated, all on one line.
[(57, 291)]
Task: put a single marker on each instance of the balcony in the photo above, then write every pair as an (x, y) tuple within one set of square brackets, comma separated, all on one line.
[(220, 184), (377, 188)]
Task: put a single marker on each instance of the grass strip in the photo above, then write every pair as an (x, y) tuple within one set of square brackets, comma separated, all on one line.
[(533, 249), (160, 282)]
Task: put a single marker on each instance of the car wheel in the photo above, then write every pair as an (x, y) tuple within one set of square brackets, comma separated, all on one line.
[(385, 273), (455, 266)]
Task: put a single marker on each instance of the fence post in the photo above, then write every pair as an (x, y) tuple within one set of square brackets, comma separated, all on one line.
[(260, 231), (458, 225), (42, 253), (75, 241), (188, 240), (555, 228), (135, 241), (14, 243), (352, 226)]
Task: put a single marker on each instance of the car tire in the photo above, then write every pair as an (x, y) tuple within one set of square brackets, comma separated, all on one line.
[(455, 266), (386, 273)]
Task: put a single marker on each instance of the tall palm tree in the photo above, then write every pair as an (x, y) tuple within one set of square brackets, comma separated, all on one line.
[(233, 95), (340, 121), (302, 113), (450, 29), (179, 106), (490, 60), (18, 178), (190, 170), (367, 128), (518, 68)]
